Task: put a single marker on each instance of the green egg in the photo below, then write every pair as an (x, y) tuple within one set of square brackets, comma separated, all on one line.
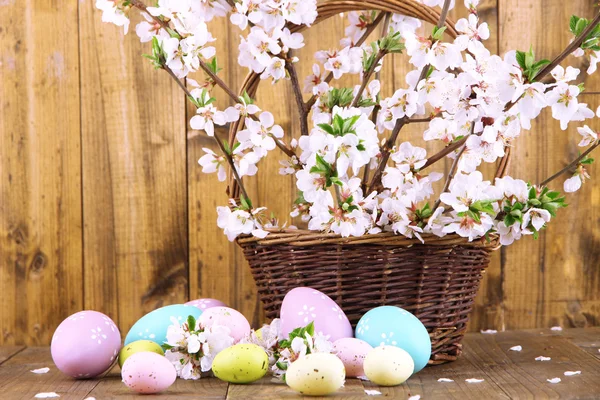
[(242, 363), (139, 346)]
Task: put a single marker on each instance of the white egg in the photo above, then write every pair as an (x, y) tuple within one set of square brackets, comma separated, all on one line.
[(317, 374), (388, 366)]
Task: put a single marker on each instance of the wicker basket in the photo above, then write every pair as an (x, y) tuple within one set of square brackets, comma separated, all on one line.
[(436, 281)]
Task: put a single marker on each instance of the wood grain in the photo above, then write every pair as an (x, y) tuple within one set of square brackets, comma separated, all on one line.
[(134, 176), (554, 280), (40, 190), (507, 374)]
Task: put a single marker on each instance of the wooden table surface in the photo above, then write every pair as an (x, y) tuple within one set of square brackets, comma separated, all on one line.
[(507, 374)]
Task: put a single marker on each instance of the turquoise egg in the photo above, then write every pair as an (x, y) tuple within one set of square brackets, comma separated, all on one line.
[(393, 326), (153, 326)]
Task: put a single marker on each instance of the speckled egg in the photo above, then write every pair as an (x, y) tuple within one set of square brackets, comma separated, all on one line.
[(147, 372), (137, 347), (302, 305), (352, 352), (85, 344), (317, 374), (204, 304), (241, 363), (153, 326), (238, 324), (388, 366), (393, 326)]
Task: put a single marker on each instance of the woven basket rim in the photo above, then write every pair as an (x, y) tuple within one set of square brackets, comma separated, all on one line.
[(303, 237)]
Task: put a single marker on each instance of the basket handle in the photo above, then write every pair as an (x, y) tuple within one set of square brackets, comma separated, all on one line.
[(326, 10)]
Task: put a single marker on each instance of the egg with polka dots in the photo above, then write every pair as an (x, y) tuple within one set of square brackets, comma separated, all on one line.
[(393, 326), (206, 303), (147, 372), (153, 326), (303, 305), (85, 344)]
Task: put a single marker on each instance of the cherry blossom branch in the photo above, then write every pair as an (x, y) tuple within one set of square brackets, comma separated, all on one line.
[(311, 102), (571, 165), (367, 75), (444, 152), (451, 174), (367, 169), (385, 154), (389, 145), (569, 49), (219, 143), (302, 109)]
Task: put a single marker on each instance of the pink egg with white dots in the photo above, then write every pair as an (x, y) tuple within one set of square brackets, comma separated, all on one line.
[(238, 325), (207, 303), (85, 344), (303, 305)]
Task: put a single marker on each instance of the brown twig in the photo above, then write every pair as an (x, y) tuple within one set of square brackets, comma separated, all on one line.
[(444, 152), (385, 153), (311, 102), (366, 76), (302, 109), (571, 165)]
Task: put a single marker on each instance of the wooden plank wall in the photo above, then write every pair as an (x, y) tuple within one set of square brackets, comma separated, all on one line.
[(103, 205)]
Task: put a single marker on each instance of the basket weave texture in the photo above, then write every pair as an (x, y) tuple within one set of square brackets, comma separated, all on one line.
[(436, 281)]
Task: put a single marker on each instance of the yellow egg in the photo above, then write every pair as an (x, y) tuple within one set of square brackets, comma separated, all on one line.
[(388, 366), (242, 363), (317, 374), (138, 346), (258, 333)]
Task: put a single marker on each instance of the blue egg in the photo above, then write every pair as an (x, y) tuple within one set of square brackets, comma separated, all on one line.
[(153, 326), (393, 326)]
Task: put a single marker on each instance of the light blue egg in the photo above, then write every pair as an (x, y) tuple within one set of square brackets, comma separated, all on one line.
[(153, 326), (393, 326)]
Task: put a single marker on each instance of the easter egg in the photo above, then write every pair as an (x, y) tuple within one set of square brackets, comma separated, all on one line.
[(393, 326), (316, 374), (225, 316), (147, 372), (138, 346), (388, 366), (352, 352), (85, 344), (241, 363), (302, 305), (203, 304), (153, 326)]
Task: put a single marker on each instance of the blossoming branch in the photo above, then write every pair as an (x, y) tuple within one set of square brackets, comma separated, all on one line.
[(350, 180)]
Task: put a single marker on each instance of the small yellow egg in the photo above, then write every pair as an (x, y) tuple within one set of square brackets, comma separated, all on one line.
[(388, 366), (317, 374), (242, 363), (139, 346)]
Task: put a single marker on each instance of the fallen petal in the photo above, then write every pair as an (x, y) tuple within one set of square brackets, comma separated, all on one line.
[(571, 373), (46, 395), (473, 380), (516, 348), (372, 392), (542, 358), (489, 332), (553, 380), (415, 397), (445, 380), (40, 370), (556, 328), (363, 378)]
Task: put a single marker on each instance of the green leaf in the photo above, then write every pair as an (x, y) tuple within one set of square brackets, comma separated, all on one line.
[(509, 220), (573, 24), (581, 25), (246, 98), (327, 128), (213, 66), (191, 322), (310, 328), (529, 58), (438, 33), (520, 55), (246, 203), (166, 346)]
